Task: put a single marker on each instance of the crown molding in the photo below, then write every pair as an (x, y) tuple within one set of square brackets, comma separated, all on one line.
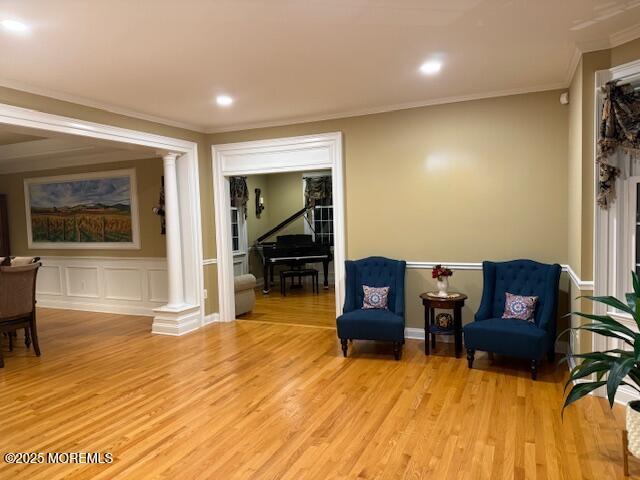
[(388, 108), (573, 66), (614, 40), (624, 36), (86, 102)]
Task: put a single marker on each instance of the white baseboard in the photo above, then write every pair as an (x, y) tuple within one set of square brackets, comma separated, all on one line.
[(211, 318), (96, 307)]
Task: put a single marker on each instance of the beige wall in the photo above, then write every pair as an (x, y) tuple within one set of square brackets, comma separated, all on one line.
[(148, 174), (460, 182), (625, 53), (257, 226), (285, 199)]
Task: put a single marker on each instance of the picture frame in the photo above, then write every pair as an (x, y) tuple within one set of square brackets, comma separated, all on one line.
[(94, 211)]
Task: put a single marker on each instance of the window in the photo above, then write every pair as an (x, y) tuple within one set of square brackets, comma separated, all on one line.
[(321, 216), (323, 221), (235, 229)]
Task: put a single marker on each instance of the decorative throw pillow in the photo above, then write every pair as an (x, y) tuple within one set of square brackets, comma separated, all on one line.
[(520, 307), (375, 297)]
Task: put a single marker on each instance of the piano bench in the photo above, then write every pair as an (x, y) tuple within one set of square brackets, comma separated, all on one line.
[(304, 272)]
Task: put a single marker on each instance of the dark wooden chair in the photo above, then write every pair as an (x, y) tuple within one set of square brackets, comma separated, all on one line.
[(18, 304)]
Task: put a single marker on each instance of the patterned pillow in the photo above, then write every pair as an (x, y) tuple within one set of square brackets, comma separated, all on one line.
[(375, 297), (520, 307)]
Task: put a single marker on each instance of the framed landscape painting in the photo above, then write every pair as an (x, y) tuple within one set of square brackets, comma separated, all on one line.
[(96, 210)]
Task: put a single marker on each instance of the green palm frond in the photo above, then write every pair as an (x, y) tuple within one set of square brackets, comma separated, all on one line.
[(610, 368)]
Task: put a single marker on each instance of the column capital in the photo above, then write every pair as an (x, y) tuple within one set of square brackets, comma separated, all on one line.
[(170, 158)]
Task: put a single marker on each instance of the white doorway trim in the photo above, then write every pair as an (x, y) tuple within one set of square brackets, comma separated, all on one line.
[(292, 154), (191, 315), (612, 247)]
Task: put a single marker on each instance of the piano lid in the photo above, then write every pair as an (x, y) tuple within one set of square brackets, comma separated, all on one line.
[(283, 224)]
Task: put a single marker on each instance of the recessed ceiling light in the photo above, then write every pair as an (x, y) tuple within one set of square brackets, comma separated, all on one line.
[(224, 100), (14, 25), (431, 67)]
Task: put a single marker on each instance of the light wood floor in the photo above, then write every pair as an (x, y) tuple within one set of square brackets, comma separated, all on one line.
[(269, 401), (298, 307)]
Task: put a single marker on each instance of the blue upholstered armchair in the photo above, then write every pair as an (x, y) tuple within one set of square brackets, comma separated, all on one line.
[(507, 336), (357, 323)]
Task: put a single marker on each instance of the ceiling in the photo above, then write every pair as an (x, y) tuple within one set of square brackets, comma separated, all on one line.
[(292, 60)]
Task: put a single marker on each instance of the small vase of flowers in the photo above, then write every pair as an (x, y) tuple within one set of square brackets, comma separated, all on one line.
[(441, 274)]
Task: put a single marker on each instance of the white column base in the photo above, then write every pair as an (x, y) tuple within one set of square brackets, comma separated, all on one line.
[(170, 320)]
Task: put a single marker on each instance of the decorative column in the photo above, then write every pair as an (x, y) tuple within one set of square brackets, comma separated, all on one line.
[(172, 222), (176, 317)]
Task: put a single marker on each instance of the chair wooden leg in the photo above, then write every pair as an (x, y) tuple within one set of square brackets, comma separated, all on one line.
[(534, 369), (397, 350), (27, 337), (551, 356), (470, 357), (1, 357), (34, 334), (345, 346), (10, 335)]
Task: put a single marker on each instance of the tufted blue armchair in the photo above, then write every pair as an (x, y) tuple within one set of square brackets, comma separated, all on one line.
[(517, 338), (357, 323)]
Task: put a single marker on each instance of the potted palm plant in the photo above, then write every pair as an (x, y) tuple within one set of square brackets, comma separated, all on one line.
[(611, 368)]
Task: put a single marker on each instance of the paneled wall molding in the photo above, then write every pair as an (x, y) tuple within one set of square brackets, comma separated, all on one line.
[(125, 285)]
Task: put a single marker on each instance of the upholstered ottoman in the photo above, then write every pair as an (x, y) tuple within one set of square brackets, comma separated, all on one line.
[(245, 295)]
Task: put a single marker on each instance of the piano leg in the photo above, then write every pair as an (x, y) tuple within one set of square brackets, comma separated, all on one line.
[(267, 285), (325, 268)]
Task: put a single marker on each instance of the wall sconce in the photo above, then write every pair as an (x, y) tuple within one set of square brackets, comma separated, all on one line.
[(259, 203)]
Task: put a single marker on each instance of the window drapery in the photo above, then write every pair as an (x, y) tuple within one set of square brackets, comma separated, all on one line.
[(239, 193), (618, 146), (317, 189)]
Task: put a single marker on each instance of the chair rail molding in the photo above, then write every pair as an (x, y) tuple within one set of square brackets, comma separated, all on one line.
[(190, 316), (427, 265)]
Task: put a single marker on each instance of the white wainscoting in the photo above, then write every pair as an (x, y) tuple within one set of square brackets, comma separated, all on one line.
[(103, 284)]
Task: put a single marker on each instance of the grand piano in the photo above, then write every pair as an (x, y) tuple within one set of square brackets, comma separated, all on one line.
[(291, 250)]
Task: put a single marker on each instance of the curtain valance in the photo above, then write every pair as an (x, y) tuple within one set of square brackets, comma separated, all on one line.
[(618, 141), (317, 189), (239, 193)]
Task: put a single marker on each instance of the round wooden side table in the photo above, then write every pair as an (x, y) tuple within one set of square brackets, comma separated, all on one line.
[(431, 302)]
